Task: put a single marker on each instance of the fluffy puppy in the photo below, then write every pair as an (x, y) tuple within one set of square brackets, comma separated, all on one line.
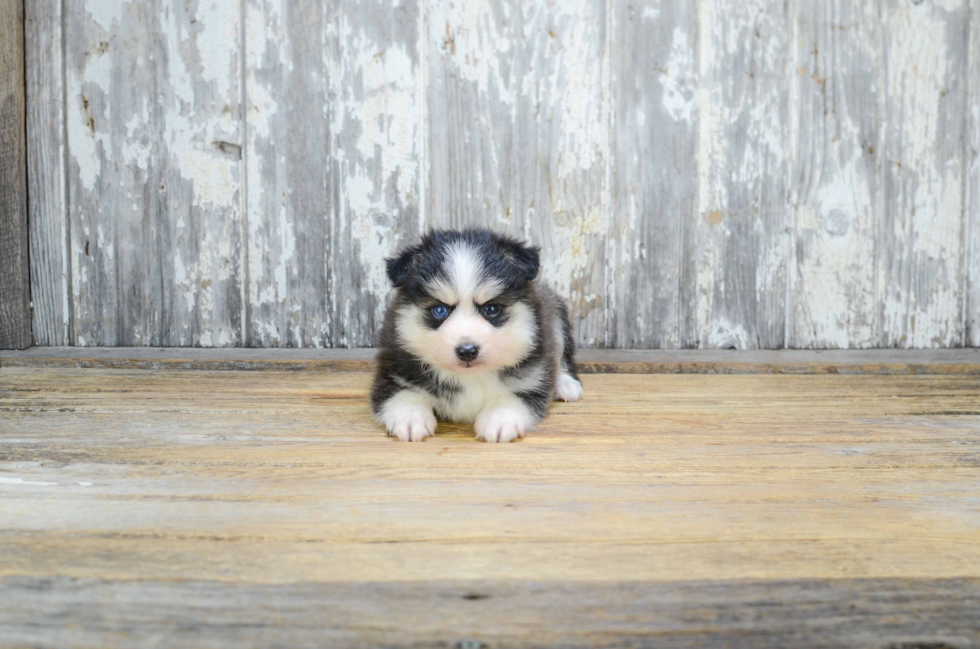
[(471, 336)]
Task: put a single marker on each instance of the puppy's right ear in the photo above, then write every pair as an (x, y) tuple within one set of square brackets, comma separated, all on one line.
[(400, 267)]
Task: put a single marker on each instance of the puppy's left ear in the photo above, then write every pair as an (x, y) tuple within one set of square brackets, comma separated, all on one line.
[(526, 258), (399, 268)]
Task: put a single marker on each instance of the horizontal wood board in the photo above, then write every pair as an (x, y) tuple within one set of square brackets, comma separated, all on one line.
[(590, 361)]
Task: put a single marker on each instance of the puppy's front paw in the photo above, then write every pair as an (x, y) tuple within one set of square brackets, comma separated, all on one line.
[(502, 424), (568, 389), (410, 423)]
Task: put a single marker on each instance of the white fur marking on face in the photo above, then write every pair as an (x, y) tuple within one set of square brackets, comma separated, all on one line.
[(487, 291), (568, 388), (465, 268), (502, 346), (503, 423), (466, 284), (408, 416)]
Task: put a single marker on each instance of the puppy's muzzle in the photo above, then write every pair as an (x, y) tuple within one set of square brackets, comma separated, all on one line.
[(467, 352)]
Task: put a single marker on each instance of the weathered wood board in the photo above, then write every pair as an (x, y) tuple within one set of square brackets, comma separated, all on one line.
[(920, 250), (742, 233), (589, 361), (971, 241), (48, 207), (154, 172), (237, 509), (334, 140), (651, 297), (835, 193), (716, 174), (15, 310)]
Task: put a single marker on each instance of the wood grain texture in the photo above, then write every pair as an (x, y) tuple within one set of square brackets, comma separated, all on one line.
[(334, 149), (742, 238), (154, 172), (837, 110), (920, 260), (291, 193), (378, 157), (46, 147), (655, 176), (660, 510), (589, 361), (519, 137), (715, 174), (871, 613), (971, 243), (563, 151), (472, 91), (15, 297)]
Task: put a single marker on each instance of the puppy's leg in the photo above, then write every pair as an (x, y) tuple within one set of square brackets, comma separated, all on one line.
[(508, 418), (408, 416), (568, 388)]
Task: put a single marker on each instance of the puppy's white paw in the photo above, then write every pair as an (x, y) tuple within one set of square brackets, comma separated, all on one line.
[(502, 424), (568, 389), (410, 423)]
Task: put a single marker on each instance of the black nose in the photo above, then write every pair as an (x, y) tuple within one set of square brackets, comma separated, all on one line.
[(467, 352)]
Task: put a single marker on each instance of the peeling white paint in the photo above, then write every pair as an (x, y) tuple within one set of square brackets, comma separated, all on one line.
[(679, 80), (923, 307), (107, 13), (87, 143), (532, 97), (724, 335), (837, 272), (469, 32)]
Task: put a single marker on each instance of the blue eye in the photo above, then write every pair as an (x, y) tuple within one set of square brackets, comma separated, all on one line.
[(491, 310), (440, 311)]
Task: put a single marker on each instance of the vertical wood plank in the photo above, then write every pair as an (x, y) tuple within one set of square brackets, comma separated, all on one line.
[(15, 309), (111, 192), (48, 209), (377, 155), (291, 193), (472, 103), (201, 160), (655, 175), (154, 171), (971, 244), (562, 150), (920, 260), (834, 181), (519, 135), (741, 230)]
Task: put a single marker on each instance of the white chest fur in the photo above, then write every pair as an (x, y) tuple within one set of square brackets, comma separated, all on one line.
[(480, 391)]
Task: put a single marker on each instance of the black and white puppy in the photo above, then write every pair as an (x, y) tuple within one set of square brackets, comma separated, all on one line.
[(472, 337)]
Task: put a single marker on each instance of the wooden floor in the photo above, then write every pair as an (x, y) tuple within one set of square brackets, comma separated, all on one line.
[(175, 508)]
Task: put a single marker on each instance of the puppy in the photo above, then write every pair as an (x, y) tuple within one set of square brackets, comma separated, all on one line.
[(471, 336)]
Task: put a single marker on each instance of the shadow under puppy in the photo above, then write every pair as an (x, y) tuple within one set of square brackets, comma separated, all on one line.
[(471, 336)]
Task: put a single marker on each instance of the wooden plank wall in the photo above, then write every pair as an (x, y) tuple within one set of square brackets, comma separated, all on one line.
[(15, 314), (716, 174)]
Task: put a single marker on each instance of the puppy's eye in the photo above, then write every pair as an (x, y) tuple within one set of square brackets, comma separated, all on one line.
[(491, 310), (440, 311)]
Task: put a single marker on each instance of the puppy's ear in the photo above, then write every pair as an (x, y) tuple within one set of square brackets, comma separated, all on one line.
[(400, 267), (526, 258)]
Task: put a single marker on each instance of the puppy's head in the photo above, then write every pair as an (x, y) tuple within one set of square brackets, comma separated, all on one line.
[(464, 301)]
